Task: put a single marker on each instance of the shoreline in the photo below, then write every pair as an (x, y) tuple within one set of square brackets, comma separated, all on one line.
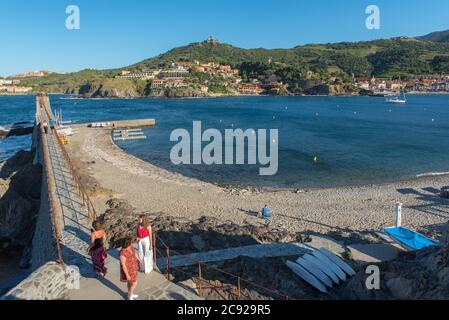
[(353, 211), (273, 189), (236, 96)]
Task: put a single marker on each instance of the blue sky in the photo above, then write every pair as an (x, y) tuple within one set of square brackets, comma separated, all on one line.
[(117, 33)]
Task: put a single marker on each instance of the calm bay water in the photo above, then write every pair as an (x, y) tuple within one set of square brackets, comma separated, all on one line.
[(14, 109), (357, 140)]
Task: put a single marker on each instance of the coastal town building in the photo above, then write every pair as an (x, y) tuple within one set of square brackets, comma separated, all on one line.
[(416, 83), (176, 83), (364, 83), (176, 72), (29, 74), (215, 69), (5, 82), (16, 89), (250, 89), (146, 74), (157, 84)]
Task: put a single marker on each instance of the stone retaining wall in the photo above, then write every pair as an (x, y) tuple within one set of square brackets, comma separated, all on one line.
[(44, 246), (52, 281)]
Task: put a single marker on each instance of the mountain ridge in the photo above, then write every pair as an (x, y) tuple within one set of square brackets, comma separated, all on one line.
[(437, 36)]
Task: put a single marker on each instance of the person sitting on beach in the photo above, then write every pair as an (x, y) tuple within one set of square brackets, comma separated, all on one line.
[(97, 233), (129, 267), (266, 213), (98, 254), (52, 124), (144, 235)]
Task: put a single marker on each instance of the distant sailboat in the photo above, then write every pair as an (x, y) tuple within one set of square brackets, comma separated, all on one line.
[(397, 100)]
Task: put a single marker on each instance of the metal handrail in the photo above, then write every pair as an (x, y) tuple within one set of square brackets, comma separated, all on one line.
[(57, 234), (81, 190), (200, 264)]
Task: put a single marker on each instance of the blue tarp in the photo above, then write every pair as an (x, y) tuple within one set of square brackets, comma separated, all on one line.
[(411, 239)]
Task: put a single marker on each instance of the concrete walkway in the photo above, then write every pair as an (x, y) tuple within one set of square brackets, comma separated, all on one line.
[(255, 251), (153, 286), (75, 219)]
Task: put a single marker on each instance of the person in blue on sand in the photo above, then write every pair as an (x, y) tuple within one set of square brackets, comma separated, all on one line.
[(52, 124), (266, 213)]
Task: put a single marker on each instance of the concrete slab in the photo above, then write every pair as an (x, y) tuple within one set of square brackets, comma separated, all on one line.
[(374, 253), (269, 250)]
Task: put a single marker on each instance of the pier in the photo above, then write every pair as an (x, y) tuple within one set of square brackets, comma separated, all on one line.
[(124, 124), (60, 260)]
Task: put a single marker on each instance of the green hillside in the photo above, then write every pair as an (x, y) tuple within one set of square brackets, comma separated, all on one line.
[(440, 36), (392, 58), (380, 57)]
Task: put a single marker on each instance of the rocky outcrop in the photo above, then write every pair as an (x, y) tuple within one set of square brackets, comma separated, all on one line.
[(178, 93), (318, 90), (19, 205), (110, 88), (422, 275), (20, 129), (186, 236)]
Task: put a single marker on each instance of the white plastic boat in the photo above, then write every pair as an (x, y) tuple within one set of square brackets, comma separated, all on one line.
[(397, 100)]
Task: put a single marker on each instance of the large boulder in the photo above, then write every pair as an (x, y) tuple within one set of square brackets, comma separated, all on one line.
[(421, 275)]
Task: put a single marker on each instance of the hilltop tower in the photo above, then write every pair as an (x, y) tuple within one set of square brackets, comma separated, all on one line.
[(212, 40)]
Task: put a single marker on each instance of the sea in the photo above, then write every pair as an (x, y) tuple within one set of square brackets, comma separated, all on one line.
[(323, 141)]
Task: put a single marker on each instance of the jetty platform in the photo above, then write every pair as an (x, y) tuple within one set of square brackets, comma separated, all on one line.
[(119, 124)]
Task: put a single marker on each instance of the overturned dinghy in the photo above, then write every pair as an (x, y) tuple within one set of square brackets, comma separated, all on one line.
[(321, 269)]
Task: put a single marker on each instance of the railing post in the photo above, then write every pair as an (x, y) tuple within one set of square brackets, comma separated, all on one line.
[(200, 277), (154, 252), (238, 288), (168, 263)]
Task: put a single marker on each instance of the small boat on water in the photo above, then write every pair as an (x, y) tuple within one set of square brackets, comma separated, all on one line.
[(397, 100)]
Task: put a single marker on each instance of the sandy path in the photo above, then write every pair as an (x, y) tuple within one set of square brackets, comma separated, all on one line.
[(346, 209)]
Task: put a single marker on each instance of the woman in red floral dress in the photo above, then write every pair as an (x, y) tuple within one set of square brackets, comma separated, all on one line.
[(129, 267)]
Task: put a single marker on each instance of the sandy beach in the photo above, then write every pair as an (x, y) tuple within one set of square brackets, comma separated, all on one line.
[(346, 211)]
